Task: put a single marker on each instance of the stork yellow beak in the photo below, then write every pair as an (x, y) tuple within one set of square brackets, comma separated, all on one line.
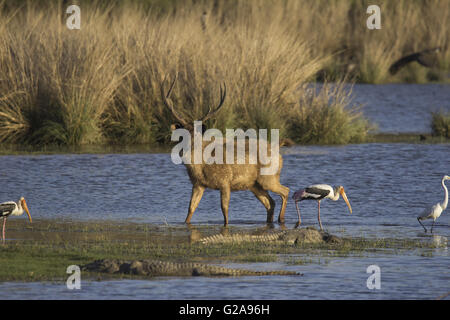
[(344, 196), (24, 205)]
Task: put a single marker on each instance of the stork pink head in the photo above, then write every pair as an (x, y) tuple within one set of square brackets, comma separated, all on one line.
[(298, 194)]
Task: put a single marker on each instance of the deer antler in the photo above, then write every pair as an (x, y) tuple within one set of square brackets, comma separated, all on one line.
[(223, 94), (168, 102)]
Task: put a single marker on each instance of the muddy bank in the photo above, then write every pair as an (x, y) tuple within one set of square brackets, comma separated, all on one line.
[(20, 149)]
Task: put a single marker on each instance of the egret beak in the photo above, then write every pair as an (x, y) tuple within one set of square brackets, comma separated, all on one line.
[(344, 196), (24, 205)]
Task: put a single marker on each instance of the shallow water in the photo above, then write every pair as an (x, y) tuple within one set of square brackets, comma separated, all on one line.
[(388, 185), (402, 108), (401, 277)]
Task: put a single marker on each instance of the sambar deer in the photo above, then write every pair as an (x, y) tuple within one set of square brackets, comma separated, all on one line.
[(228, 177)]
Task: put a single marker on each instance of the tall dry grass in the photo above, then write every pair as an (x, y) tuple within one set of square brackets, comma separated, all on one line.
[(339, 28), (101, 84), (55, 84), (407, 27)]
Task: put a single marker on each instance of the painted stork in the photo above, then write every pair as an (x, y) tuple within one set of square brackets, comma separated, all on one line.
[(435, 211), (318, 192), (12, 208)]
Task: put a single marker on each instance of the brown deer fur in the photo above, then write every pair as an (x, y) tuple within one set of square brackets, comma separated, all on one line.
[(229, 177)]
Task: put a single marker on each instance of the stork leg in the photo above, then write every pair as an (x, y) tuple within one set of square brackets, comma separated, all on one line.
[(298, 212), (432, 226), (422, 225), (318, 207), (3, 232)]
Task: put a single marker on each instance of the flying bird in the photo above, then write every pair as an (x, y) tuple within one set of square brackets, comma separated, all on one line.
[(435, 211), (318, 192), (12, 208), (427, 58)]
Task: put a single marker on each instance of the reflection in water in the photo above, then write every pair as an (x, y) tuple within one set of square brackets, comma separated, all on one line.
[(440, 241)]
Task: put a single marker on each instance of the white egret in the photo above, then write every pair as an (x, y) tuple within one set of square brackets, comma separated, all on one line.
[(435, 211)]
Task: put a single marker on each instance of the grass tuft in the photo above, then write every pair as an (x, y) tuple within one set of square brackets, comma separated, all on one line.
[(326, 116), (440, 124)]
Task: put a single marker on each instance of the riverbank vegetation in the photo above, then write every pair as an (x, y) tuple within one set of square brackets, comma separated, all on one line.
[(440, 124), (101, 84)]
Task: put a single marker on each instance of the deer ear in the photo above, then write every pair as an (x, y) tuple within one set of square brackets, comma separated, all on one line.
[(175, 126)]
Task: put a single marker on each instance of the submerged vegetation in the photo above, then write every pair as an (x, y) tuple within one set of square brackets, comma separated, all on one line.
[(100, 84)]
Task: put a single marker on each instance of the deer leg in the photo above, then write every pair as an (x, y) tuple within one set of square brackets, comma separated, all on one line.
[(197, 193), (225, 199), (283, 192), (263, 196), (3, 231)]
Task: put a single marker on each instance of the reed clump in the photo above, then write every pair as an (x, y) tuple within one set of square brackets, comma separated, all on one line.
[(440, 124), (326, 115), (55, 83)]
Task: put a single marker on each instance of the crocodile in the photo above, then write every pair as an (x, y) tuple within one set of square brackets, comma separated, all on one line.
[(154, 268), (296, 236)]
